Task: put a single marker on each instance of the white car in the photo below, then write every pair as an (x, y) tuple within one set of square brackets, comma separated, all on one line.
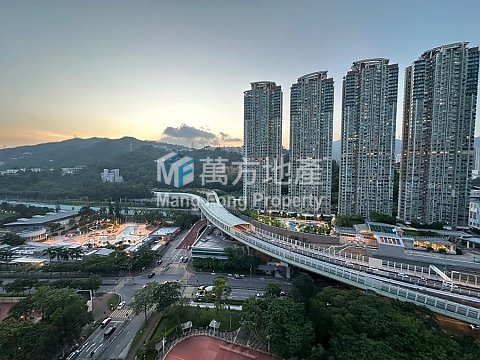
[(121, 305)]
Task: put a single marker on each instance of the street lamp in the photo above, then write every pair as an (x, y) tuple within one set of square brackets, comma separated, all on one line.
[(250, 277)]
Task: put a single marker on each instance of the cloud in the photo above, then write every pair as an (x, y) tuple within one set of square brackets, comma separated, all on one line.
[(227, 138), (192, 136), (188, 132)]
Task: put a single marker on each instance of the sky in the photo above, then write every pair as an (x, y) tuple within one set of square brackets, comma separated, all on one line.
[(176, 70)]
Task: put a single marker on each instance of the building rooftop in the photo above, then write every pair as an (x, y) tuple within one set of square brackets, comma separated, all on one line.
[(165, 231), (44, 219)]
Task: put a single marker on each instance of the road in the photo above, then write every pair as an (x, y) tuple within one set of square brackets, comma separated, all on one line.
[(126, 322), (171, 269)]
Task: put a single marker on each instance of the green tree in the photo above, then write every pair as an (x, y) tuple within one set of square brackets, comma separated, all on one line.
[(76, 253), (21, 285), (93, 283), (220, 290), (6, 254), (303, 288), (289, 332), (254, 311), (13, 239), (167, 294), (54, 227), (145, 298), (272, 290), (348, 220), (382, 218), (51, 252)]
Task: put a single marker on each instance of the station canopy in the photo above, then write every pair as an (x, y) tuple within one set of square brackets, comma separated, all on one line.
[(222, 214)]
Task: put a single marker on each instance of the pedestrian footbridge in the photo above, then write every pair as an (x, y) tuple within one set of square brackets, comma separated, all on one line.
[(462, 307)]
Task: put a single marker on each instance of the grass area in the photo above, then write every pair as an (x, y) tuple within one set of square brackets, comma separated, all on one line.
[(169, 324), (200, 317), (114, 301), (415, 233)]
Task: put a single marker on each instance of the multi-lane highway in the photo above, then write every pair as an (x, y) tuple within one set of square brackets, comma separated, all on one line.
[(171, 269), (126, 322)]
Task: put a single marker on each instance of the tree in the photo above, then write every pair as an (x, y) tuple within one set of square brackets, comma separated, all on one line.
[(145, 298), (254, 310), (6, 254), (51, 252), (93, 283), (13, 239), (167, 294), (303, 288), (272, 290), (63, 253), (54, 227), (220, 290), (76, 253), (383, 218), (63, 315), (348, 220), (289, 332)]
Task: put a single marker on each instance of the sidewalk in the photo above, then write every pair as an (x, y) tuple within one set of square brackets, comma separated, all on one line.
[(146, 330)]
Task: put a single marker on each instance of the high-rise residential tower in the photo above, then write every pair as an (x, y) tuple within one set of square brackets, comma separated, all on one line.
[(369, 108), (438, 129), (262, 145), (311, 123)]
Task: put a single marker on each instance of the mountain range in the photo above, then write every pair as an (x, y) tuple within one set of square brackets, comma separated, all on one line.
[(90, 151)]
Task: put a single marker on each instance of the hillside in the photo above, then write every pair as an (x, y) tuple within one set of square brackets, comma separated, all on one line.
[(72, 152)]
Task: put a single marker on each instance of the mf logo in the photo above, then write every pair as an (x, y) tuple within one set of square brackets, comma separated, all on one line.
[(173, 169)]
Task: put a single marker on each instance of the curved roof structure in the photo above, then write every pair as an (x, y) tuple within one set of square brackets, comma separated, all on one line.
[(224, 215)]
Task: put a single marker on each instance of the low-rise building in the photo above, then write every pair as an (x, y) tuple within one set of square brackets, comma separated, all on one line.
[(112, 176), (474, 214)]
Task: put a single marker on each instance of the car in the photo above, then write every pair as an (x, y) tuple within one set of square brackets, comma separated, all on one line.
[(283, 293), (159, 261), (105, 322), (236, 276), (73, 355), (144, 286), (109, 331), (185, 259), (201, 287), (181, 258), (152, 274), (260, 295), (474, 327), (402, 275), (121, 305)]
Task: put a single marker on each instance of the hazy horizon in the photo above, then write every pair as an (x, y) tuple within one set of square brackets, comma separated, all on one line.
[(176, 71)]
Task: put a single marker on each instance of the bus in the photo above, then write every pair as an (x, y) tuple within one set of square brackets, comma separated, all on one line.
[(109, 331), (105, 322)]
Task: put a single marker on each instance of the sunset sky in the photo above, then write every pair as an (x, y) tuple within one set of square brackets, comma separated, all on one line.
[(176, 70)]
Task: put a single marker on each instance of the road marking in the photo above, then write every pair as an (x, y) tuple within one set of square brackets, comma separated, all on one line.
[(121, 314)]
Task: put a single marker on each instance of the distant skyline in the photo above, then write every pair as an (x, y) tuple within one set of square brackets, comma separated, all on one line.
[(177, 71)]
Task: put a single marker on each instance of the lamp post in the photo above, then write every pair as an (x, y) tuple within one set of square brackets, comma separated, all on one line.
[(250, 277)]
